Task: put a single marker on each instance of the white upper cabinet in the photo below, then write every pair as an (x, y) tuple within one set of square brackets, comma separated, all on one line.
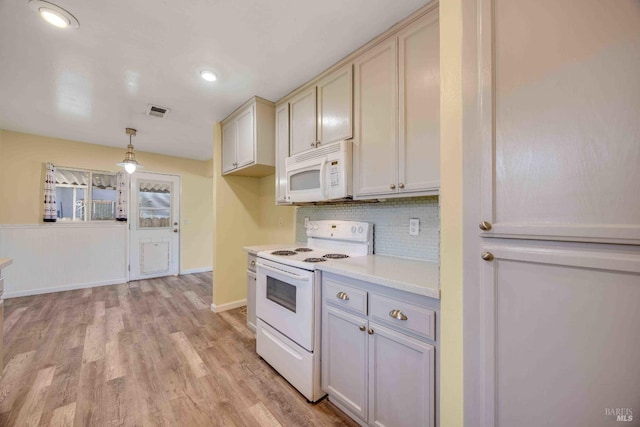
[(229, 146), (323, 113), (282, 151), (376, 120), (397, 114), (248, 139), (335, 106), (419, 102), (303, 121), (560, 120)]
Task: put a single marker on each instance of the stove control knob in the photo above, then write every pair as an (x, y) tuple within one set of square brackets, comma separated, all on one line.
[(353, 229), (360, 230)]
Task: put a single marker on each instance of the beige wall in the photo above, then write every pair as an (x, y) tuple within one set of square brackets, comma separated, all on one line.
[(21, 170), (451, 372), (245, 214)]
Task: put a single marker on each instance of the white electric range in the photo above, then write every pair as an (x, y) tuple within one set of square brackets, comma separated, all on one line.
[(288, 299)]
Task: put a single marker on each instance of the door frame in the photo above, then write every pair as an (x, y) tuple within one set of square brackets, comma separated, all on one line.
[(130, 219)]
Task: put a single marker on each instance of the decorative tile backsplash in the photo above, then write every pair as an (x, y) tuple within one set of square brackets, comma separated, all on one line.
[(391, 219)]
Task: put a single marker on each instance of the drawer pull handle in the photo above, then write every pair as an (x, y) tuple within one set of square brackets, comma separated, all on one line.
[(362, 328), (370, 331), (342, 295), (397, 314)]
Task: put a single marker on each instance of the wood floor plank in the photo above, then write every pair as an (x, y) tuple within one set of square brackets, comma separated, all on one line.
[(13, 378), (195, 300), (31, 409), (146, 353), (12, 319), (94, 343), (63, 416), (191, 355)]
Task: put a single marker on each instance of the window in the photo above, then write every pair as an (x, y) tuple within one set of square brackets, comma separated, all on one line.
[(83, 195)]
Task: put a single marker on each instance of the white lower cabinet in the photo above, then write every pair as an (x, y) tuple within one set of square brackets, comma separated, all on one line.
[(401, 379), (379, 373)]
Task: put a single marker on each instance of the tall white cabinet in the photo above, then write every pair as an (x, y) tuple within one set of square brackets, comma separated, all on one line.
[(397, 114), (552, 170)]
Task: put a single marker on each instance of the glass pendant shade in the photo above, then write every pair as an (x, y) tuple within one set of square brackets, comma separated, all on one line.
[(129, 163)]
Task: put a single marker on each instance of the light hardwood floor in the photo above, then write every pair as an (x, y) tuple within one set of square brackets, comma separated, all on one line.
[(149, 352)]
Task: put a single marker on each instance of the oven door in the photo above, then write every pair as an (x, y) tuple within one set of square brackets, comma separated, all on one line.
[(306, 181), (284, 300)]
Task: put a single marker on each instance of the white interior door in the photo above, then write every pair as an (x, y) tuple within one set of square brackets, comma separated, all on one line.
[(154, 240)]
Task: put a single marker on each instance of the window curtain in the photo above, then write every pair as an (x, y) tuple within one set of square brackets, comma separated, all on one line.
[(122, 185), (50, 206)]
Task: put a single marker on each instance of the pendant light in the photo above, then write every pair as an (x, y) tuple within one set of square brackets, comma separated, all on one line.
[(129, 163)]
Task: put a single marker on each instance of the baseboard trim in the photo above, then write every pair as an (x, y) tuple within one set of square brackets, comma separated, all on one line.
[(196, 270), (228, 306), (40, 291)]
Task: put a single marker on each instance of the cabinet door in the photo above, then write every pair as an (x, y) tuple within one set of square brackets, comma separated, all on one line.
[(560, 325), (229, 139), (401, 379), (419, 102), (246, 137), (376, 121), (344, 356), (303, 121), (251, 300), (559, 120), (335, 106), (282, 151)]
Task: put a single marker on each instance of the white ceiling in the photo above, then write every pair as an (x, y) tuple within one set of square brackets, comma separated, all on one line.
[(88, 84)]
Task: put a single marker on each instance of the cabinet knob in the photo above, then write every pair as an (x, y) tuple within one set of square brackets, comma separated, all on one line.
[(370, 331), (313, 144), (398, 314), (175, 230), (362, 328), (392, 186), (485, 225), (401, 185), (318, 143), (253, 262), (487, 256), (342, 295)]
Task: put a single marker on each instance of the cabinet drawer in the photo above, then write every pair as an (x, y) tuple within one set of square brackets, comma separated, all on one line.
[(409, 317), (251, 262), (345, 296)]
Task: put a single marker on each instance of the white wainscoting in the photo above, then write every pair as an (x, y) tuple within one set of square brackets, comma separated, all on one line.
[(59, 257)]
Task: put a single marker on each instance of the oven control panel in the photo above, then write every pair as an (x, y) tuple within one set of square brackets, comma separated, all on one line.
[(341, 230)]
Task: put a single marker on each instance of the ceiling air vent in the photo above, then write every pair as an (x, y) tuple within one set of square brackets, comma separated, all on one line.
[(157, 111)]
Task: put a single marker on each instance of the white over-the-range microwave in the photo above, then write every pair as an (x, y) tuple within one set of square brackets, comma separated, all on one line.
[(320, 174)]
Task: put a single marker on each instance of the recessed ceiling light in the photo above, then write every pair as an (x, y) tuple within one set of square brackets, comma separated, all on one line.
[(208, 75), (53, 14)]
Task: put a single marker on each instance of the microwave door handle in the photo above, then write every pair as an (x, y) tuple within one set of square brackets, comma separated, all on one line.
[(284, 273), (323, 178)]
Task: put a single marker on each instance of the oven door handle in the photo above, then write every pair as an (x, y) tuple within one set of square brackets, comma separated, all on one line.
[(284, 273)]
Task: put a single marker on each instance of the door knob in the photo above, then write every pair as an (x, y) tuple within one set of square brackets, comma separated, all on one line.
[(401, 185), (362, 328), (487, 256), (392, 186), (485, 225), (175, 230), (370, 332)]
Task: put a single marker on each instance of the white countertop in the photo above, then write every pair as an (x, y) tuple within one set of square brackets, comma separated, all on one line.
[(5, 262), (253, 250), (415, 276)]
